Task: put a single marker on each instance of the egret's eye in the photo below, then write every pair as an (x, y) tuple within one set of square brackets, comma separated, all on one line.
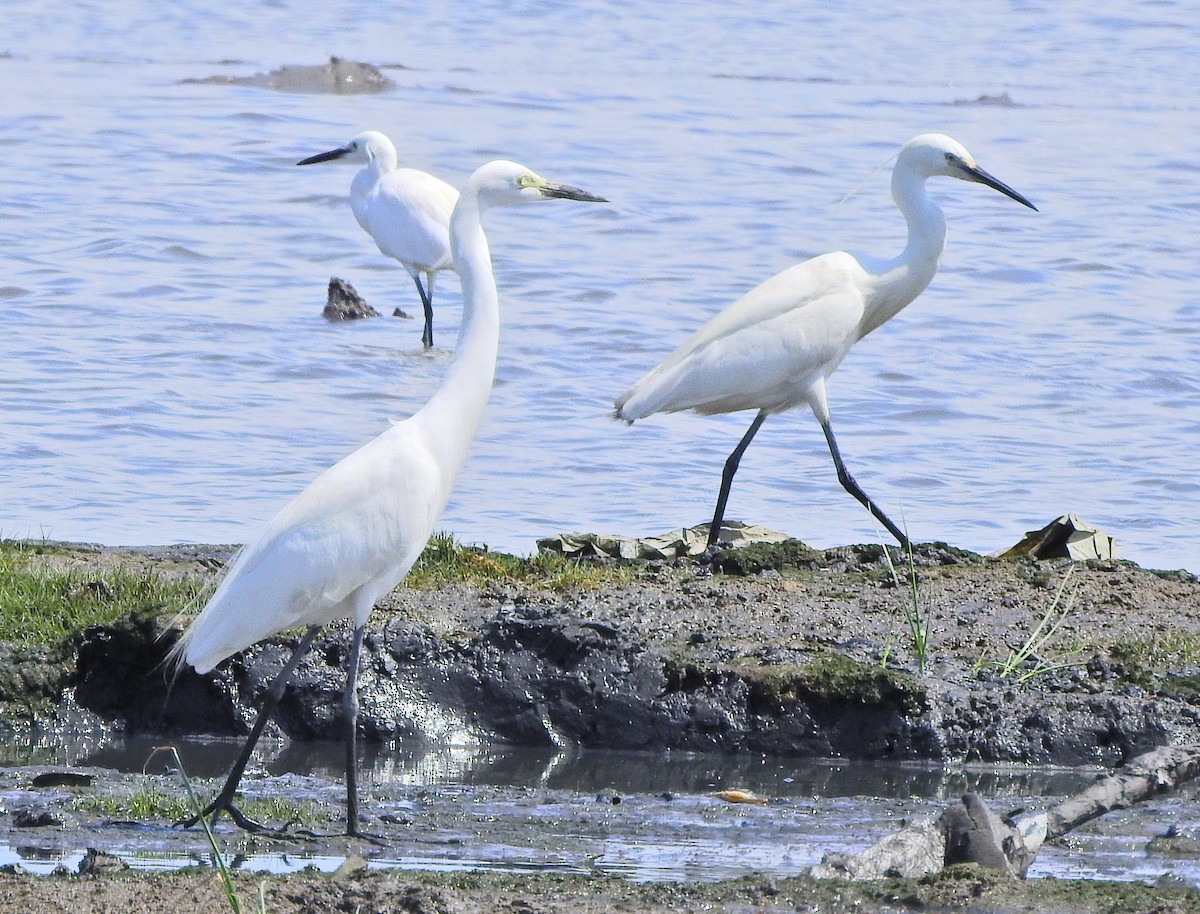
[(525, 181), (951, 158)]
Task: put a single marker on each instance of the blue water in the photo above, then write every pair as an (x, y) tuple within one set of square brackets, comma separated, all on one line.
[(167, 375)]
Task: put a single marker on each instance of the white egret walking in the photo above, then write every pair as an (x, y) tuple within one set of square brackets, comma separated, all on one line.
[(354, 532), (773, 348), (406, 211)]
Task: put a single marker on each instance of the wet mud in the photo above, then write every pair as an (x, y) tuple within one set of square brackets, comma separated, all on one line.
[(785, 654)]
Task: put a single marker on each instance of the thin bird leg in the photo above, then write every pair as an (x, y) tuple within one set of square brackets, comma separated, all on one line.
[(853, 488), (224, 800), (427, 304), (350, 720), (731, 465)]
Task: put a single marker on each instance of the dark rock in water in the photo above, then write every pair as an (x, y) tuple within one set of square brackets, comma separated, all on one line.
[(343, 303), (37, 818), (338, 77), (95, 862), (1003, 100)]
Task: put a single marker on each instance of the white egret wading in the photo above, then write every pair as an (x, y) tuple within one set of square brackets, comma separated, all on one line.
[(406, 211), (773, 349), (354, 532)]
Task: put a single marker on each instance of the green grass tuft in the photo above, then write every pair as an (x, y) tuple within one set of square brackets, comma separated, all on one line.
[(141, 805), (446, 561), (44, 600)]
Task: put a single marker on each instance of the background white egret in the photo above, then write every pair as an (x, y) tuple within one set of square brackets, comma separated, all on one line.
[(774, 347), (355, 531), (406, 211)]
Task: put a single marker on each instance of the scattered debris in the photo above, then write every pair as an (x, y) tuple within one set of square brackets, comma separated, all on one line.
[(675, 544), (343, 303), (740, 796), (969, 832), (1066, 537)]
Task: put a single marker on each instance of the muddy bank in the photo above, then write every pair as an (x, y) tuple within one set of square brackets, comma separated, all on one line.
[(474, 894), (780, 650), (785, 651)]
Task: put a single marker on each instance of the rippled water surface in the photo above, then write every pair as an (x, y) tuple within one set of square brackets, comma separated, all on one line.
[(168, 375)]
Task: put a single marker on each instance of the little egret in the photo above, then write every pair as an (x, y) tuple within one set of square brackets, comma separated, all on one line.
[(355, 531), (773, 348), (406, 211)]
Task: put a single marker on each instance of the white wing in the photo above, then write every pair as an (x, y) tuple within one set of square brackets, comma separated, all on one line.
[(765, 349), (408, 214), (343, 542)]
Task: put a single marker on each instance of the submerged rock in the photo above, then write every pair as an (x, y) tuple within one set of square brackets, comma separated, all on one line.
[(338, 77)]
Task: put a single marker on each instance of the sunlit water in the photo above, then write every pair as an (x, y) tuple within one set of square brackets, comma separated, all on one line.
[(168, 376), (640, 816)]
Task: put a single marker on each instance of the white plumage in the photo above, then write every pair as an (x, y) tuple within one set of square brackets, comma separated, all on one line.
[(773, 349), (356, 530), (406, 212)]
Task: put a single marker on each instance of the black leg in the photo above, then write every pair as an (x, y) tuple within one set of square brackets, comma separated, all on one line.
[(224, 800), (350, 721), (731, 465), (853, 488), (427, 305)]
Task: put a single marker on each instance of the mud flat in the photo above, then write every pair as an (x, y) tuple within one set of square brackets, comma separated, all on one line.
[(776, 653)]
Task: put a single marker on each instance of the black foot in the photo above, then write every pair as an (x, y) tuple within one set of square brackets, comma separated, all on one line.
[(215, 808)]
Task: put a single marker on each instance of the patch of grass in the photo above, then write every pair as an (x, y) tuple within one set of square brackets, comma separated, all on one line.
[(1025, 661), (1159, 651), (910, 607), (150, 802), (1147, 663), (44, 601), (305, 813), (141, 805), (836, 678), (446, 561)]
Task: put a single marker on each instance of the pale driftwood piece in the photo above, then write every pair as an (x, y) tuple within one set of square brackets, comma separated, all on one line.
[(915, 850), (969, 832), (1148, 775)]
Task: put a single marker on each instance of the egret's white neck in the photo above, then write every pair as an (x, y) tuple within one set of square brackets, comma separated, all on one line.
[(457, 407), (901, 280), (383, 160)]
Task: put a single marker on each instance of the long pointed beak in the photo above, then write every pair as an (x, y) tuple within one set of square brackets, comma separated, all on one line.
[(567, 192), (325, 156), (975, 173)]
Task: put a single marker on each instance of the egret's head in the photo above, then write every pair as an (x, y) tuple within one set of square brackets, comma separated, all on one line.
[(936, 154), (503, 183), (370, 146)]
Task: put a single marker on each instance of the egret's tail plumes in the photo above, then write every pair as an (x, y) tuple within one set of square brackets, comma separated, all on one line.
[(176, 656)]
